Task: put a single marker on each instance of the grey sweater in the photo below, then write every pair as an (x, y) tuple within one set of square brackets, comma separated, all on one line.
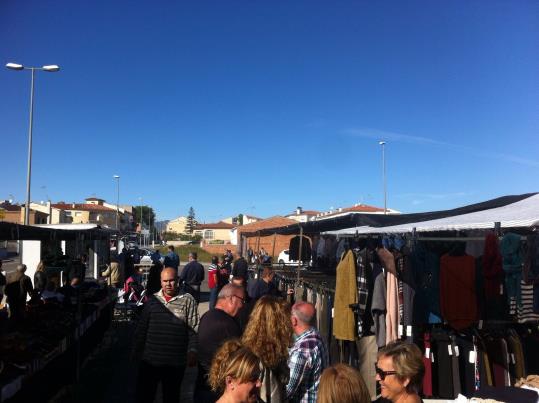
[(167, 330)]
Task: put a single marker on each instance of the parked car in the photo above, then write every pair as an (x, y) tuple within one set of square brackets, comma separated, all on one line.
[(284, 260)]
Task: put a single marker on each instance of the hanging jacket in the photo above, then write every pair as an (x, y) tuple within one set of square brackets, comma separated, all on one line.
[(492, 267), (345, 294), (531, 265), (512, 265)]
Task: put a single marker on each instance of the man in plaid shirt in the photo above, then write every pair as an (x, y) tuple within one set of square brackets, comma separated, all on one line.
[(308, 357)]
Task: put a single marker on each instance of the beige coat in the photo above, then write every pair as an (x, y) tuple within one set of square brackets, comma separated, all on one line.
[(114, 274)]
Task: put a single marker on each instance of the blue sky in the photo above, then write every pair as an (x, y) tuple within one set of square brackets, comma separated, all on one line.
[(261, 106)]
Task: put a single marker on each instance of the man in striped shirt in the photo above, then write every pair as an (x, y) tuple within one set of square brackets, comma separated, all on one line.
[(308, 357), (165, 340)]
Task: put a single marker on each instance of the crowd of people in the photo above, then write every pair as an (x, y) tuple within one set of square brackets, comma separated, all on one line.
[(252, 345)]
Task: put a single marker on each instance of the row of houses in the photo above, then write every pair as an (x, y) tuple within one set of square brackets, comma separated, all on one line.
[(92, 211)]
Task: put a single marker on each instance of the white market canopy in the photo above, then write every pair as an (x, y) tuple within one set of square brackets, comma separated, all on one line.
[(521, 214)]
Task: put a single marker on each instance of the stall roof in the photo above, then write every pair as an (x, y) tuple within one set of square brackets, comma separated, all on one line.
[(11, 232), (521, 214), (377, 220)]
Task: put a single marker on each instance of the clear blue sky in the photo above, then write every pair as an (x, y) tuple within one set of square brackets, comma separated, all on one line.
[(261, 106)]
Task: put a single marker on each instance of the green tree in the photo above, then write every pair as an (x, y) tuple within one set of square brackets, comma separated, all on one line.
[(240, 219), (191, 221), (148, 216)]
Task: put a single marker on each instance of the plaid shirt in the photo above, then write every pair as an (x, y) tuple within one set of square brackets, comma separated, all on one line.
[(308, 357)]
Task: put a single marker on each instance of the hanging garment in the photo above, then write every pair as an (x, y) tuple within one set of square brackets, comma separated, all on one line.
[(344, 323), (392, 306), (367, 355), (427, 379), (425, 267), (512, 265), (525, 312), (387, 259), (457, 290), (378, 307), (531, 264), (492, 267), (362, 280), (305, 249)]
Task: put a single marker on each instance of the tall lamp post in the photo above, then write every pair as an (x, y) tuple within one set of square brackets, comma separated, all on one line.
[(140, 198), (50, 68), (383, 144), (149, 224), (117, 177)]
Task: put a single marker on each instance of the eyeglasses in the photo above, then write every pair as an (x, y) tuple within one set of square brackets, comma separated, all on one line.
[(240, 298), (382, 374)]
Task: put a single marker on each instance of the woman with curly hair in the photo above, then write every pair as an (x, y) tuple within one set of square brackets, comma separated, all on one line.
[(269, 334), (235, 373)]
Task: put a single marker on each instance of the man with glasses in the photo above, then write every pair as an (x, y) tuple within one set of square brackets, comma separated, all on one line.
[(216, 326)]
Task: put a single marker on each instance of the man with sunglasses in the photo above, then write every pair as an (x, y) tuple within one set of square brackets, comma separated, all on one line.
[(216, 326)]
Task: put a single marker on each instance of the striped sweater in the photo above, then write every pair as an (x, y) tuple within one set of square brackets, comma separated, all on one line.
[(167, 330)]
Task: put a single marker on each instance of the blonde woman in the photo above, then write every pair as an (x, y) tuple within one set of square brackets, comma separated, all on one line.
[(235, 374), (268, 334), (341, 383), (40, 277), (399, 371)]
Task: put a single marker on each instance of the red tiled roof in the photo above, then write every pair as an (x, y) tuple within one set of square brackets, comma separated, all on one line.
[(272, 222), (10, 207), (218, 225), (82, 207), (363, 208)]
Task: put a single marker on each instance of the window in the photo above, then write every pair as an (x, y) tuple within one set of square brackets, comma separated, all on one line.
[(78, 214), (208, 234)]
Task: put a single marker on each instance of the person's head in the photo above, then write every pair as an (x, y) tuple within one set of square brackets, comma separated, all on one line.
[(231, 299), (170, 248), (50, 286), (341, 383), (75, 281), (235, 372), (21, 268), (214, 260), (238, 280), (267, 274), (302, 316), (193, 256), (40, 266), (269, 331), (169, 281), (399, 369)]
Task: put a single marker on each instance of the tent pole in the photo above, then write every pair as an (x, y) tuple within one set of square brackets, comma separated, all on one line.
[(273, 245), (300, 250)]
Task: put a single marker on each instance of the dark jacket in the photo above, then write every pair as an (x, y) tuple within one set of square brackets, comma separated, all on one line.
[(40, 280)]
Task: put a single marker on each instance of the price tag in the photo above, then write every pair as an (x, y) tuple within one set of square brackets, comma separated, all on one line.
[(471, 357), (512, 358), (431, 357), (332, 312), (400, 330), (449, 350), (427, 352), (409, 331), (457, 351)]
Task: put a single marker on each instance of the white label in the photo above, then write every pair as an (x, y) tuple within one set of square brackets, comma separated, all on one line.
[(256, 276), (332, 312), (501, 289), (480, 326), (449, 350), (409, 331), (457, 351), (431, 357), (427, 352), (400, 330), (471, 357), (512, 358)]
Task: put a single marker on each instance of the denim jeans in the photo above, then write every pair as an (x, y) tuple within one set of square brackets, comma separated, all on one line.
[(213, 296)]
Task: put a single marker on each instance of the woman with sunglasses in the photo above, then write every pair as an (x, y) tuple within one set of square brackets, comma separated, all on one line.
[(235, 374), (399, 371)]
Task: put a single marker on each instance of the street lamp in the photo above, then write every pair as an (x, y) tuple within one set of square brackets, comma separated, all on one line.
[(383, 144), (117, 177), (140, 198), (50, 68)]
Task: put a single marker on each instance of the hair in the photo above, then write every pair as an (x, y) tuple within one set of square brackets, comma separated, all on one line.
[(171, 248), (234, 360), (193, 255), (21, 268), (40, 266), (239, 278), (408, 362), (229, 290), (214, 260), (269, 330), (301, 315), (341, 383)]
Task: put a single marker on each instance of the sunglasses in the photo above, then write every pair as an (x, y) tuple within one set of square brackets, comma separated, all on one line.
[(382, 374)]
